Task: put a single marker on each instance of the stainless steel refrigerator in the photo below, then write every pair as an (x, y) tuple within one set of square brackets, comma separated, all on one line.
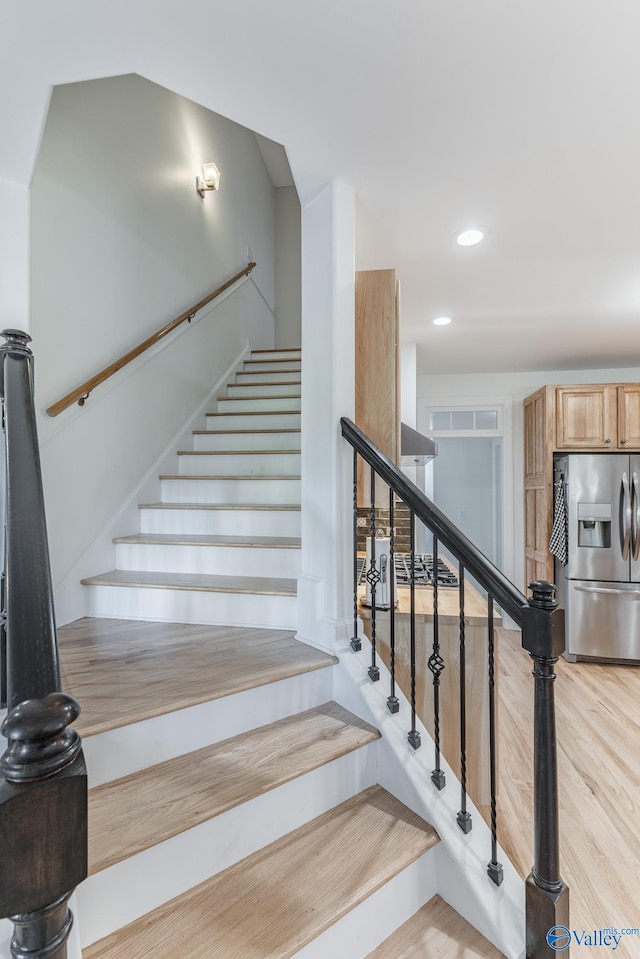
[(600, 585)]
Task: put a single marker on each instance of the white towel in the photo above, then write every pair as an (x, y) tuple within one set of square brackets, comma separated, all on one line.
[(559, 543)]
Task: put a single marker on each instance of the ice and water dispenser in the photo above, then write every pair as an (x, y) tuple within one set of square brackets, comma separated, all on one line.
[(594, 525)]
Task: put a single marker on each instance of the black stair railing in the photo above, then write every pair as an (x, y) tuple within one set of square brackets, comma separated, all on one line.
[(43, 781), (542, 625)]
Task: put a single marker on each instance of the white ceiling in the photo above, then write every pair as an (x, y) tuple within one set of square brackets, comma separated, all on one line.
[(521, 116)]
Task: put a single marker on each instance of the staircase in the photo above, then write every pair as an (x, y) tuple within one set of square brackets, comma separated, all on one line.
[(223, 545), (234, 808)]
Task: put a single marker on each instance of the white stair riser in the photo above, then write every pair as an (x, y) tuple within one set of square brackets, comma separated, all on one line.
[(254, 376), (193, 606), (252, 421), (249, 405), (129, 889), (216, 560), (263, 491), (374, 919), (247, 441), (240, 464), (263, 389), (270, 366), (279, 355), (223, 522), (127, 749)]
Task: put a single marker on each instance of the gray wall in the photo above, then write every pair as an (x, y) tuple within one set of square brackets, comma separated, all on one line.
[(288, 267)]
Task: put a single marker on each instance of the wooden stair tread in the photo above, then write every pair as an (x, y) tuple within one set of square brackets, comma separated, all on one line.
[(235, 452), (269, 382), (268, 396), (436, 932), (257, 413), (148, 669), (271, 904), (290, 429), (243, 476), (190, 789), (260, 506), (201, 582), (199, 539), (282, 349)]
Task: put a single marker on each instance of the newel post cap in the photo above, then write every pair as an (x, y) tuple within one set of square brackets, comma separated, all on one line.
[(543, 622)]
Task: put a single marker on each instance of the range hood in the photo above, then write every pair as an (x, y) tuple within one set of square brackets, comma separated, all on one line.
[(415, 449)]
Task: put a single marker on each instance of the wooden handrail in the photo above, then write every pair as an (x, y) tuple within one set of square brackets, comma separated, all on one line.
[(80, 394)]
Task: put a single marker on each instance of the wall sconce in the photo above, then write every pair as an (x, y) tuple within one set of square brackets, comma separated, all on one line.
[(210, 179)]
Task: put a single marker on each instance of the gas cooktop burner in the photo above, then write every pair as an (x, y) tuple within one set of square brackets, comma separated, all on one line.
[(423, 571)]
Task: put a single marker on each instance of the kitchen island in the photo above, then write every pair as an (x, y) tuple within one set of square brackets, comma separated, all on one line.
[(477, 671)]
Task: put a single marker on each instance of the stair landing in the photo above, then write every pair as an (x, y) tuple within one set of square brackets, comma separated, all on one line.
[(124, 671)]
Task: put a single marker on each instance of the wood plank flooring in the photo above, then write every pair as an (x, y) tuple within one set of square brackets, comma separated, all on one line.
[(272, 904), (183, 792), (598, 733), (436, 932), (105, 662)]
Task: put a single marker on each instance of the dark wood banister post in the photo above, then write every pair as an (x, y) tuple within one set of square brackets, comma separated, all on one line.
[(43, 782), (547, 896)]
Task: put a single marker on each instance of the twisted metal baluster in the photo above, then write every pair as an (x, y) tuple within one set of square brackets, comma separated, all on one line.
[(436, 665), (373, 578), (393, 703), (414, 735), (463, 818), (355, 642), (494, 868)]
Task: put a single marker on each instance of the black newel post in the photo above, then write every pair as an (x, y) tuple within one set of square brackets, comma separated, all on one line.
[(547, 896), (43, 781)]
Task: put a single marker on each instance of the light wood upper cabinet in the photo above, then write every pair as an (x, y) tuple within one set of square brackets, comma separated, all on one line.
[(586, 417), (629, 416)]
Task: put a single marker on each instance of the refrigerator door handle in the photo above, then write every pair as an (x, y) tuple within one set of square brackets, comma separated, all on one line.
[(625, 515), (602, 589), (635, 517)]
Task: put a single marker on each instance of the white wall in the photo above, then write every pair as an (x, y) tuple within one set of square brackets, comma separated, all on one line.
[(288, 267), (14, 256), (514, 387), (121, 244), (408, 383)]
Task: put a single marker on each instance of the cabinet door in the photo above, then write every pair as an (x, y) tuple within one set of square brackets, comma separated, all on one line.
[(586, 417), (629, 417)]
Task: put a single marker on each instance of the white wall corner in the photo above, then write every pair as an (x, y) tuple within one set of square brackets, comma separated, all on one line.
[(328, 244)]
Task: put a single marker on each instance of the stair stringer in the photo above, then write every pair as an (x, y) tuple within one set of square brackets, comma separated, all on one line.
[(70, 596), (496, 912)]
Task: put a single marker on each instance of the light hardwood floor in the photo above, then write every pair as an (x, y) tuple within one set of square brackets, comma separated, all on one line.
[(598, 733)]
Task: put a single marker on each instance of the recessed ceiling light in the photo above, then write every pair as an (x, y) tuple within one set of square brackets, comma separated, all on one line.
[(470, 237), (442, 321)]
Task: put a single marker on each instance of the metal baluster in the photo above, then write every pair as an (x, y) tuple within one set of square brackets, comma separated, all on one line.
[(463, 818), (356, 642), (436, 665), (373, 578), (393, 703), (414, 735), (3, 647), (494, 868)]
